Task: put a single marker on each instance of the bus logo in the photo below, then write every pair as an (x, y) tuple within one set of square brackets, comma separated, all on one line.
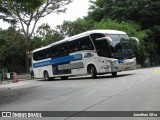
[(87, 55)]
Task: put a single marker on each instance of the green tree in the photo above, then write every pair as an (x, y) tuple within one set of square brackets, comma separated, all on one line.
[(54, 37), (29, 12), (48, 35), (100, 9), (12, 52), (35, 42), (70, 28), (44, 30), (144, 12)]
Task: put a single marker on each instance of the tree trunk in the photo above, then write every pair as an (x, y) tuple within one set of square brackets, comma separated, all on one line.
[(27, 59), (27, 62)]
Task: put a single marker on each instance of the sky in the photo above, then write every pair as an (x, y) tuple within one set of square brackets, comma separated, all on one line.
[(76, 9)]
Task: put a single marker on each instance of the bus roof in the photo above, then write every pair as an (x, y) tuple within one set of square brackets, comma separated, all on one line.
[(88, 33), (82, 35), (38, 49), (106, 31)]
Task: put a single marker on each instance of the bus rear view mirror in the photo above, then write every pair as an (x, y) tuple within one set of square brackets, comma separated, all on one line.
[(134, 39)]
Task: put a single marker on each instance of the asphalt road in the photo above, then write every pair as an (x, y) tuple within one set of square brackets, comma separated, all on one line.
[(137, 90)]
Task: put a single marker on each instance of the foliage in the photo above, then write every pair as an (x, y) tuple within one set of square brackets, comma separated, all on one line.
[(28, 13), (48, 35), (70, 28), (12, 51), (34, 43), (155, 36), (44, 30), (12, 9), (144, 12), (54, 37)]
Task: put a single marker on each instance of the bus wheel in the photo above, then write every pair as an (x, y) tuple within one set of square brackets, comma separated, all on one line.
[(93, 72), (64, 78), (46, 76), (114, 74)]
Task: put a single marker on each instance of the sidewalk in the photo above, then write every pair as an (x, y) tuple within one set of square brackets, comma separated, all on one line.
[(21, 77), (24, 77)]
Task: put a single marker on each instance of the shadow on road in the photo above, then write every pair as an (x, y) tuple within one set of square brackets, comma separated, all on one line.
[(87, 77)]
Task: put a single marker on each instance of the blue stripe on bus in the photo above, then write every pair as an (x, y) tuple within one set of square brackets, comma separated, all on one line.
[(58, 60)]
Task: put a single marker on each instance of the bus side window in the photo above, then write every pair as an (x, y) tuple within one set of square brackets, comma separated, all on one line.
[(39, 55), (65, 49), (77, 45), (102, 46), (62, 49), (52, 52), (76, 49), (45, 54), (35, 56), (71, 47), (86, 44), (74, 46), (94, 36)]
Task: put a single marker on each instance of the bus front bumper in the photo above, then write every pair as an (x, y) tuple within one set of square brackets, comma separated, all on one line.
[(123, 65)]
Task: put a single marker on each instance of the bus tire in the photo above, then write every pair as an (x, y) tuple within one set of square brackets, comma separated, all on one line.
[(46, 76), (93, 72), (114, 74)]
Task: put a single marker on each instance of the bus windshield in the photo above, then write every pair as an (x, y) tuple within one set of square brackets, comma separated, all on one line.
[(120, 46)]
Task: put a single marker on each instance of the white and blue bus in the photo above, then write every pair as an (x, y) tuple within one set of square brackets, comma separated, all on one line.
[(93, 52)]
